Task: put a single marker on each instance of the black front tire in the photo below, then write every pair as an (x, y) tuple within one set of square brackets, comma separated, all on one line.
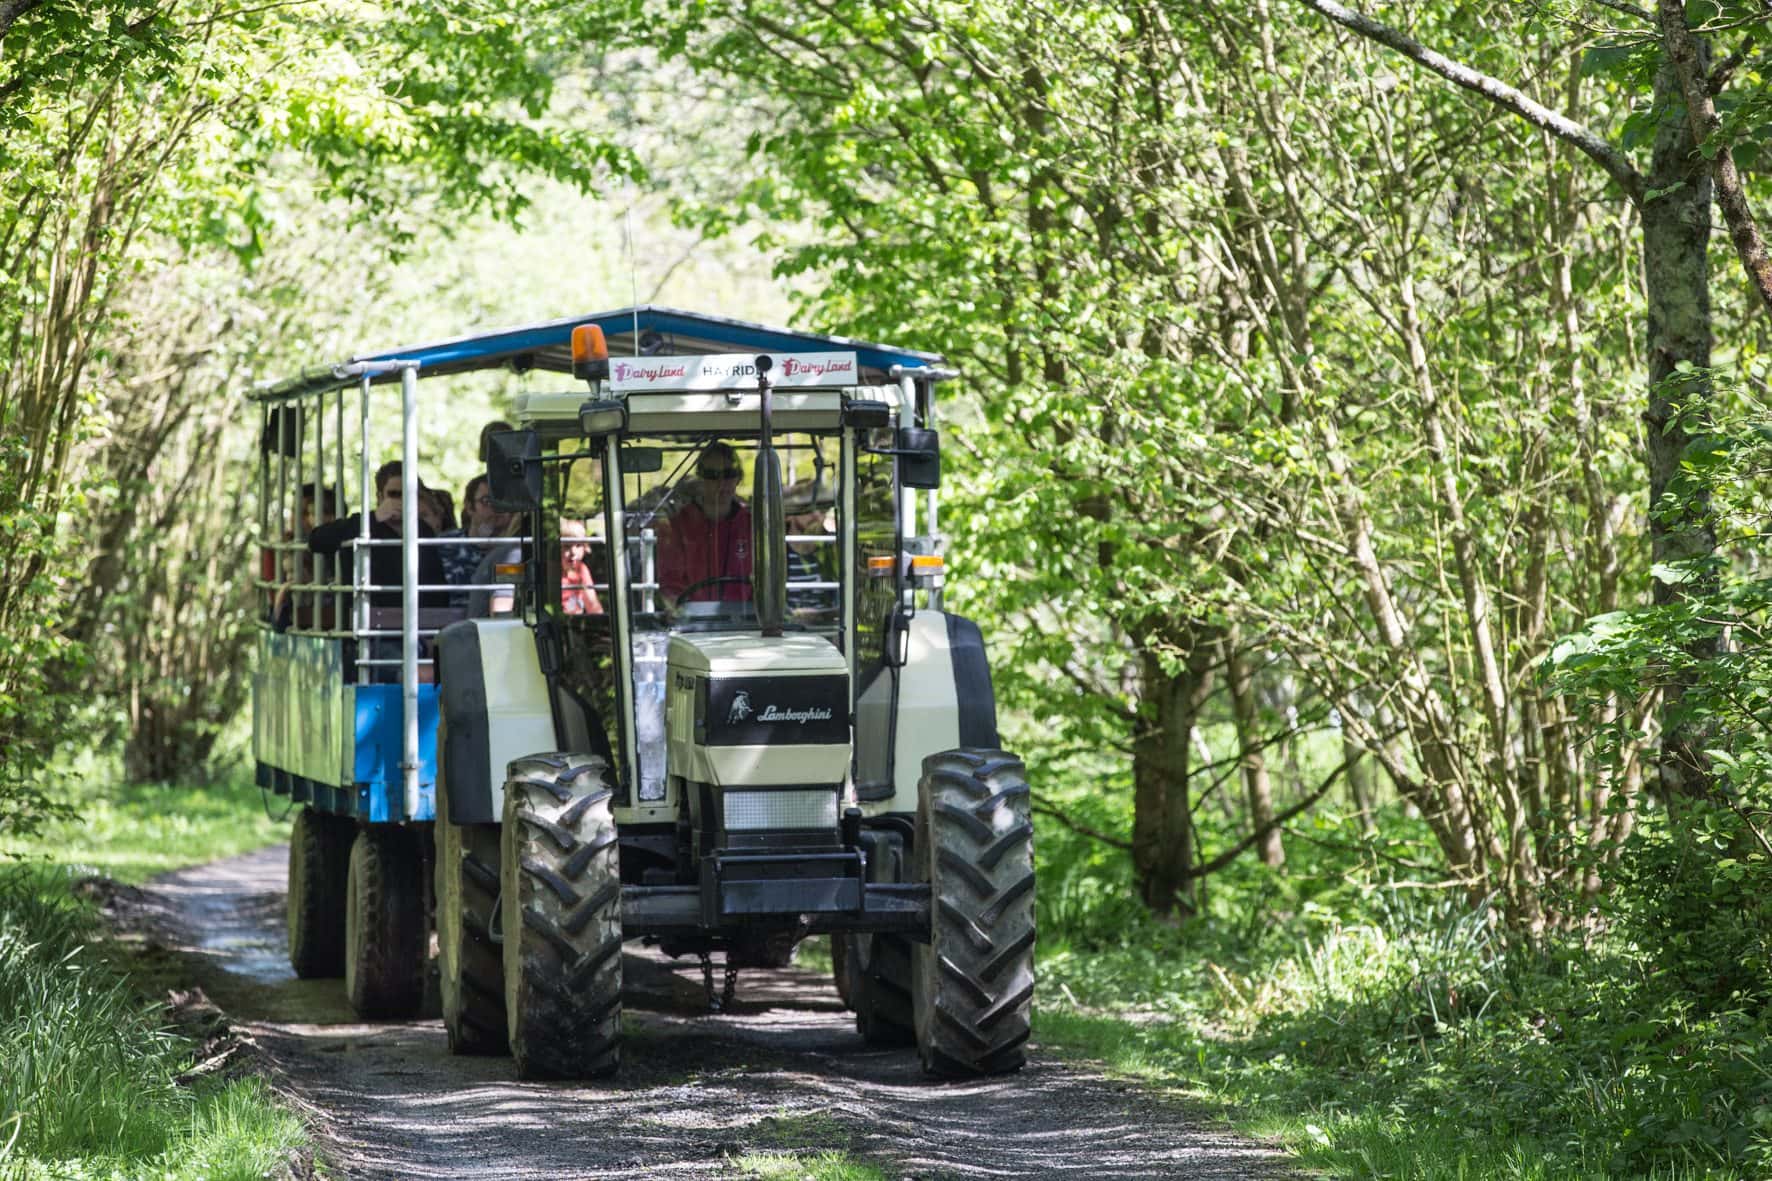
[(973, 983), (385, 929), (319, 859), (560, 881)]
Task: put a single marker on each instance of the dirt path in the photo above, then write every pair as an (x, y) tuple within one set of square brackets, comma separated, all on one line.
[(783, 1072)]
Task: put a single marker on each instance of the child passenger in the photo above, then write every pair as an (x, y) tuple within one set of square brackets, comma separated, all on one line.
[(578, 596)]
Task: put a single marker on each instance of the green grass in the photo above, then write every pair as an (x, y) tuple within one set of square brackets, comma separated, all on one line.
[(814, 955), (1379, 1032), (90, 1077), (132, 832), (819, 1166)]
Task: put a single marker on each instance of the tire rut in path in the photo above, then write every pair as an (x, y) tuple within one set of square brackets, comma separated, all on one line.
[(783, 1071)]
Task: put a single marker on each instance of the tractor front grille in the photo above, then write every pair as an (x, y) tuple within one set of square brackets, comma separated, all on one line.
[(781, 808)]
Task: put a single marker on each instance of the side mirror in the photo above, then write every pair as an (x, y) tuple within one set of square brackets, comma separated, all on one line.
[(919, 457), (866, 415), (599, 419), (513, 471), (639, 460)]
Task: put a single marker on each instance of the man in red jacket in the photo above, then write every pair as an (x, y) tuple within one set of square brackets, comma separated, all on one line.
[(705, 554)]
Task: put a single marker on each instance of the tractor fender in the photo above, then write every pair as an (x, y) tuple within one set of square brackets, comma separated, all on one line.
[(940, 699), (495, 708)]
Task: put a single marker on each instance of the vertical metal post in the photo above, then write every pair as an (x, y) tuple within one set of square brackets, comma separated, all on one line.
[(336, 563), (847, 525), (262, 606), (311, 560), (930, 525), (648, 570), (616, 526), (279, 527), (360, 558), (907, 499), (409, 522)]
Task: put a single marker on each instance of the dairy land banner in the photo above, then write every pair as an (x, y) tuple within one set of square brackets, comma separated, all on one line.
[(731, 371)]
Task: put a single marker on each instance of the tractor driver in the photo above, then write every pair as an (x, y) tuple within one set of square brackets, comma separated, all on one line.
[(705, 553)]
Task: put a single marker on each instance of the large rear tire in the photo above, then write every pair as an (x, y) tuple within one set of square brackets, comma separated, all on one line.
[(319, 859), (973, 984), (470, 966), (560, 881), (385, 929)]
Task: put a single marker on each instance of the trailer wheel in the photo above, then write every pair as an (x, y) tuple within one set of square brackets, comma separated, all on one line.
[(470, 968), (974, 980), (561, 913), (319, 858), (840, 970), (385, 930)]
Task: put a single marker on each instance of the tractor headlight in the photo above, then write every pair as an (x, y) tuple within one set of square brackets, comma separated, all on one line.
[(752, 811)]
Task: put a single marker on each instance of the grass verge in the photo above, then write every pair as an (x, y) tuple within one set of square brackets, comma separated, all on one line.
[(92, 1083), (1377, 1035), (132, 832)]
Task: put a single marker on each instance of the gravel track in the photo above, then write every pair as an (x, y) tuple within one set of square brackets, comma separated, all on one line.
[(783, 1072)]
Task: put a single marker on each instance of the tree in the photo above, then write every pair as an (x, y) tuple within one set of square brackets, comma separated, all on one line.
[(1673, 198), (1233, 339), (131, 133)]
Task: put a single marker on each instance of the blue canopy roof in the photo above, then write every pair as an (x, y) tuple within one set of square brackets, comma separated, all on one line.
[(548, 346)]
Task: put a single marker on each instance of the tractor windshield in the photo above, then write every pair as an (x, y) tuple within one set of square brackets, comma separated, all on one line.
[(689, 533)]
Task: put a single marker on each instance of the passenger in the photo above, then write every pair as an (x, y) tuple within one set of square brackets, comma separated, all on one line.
[(705, 554), (808, 561), (295, 566), (437, 509), (490, 523), (385, 565), (472, 497), (578, 595), (486, 432)]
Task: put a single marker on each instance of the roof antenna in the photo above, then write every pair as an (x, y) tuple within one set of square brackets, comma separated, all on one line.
[(633, 279)]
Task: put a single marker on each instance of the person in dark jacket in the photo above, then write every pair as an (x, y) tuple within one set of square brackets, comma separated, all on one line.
[(385, 567)]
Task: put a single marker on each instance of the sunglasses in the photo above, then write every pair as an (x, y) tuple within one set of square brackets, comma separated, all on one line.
[(710, 473)]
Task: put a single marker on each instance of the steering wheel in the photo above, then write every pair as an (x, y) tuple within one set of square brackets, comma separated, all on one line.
[(684, 594)]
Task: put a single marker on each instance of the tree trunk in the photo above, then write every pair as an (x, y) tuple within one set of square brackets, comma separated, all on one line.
[(1256, 783), (1361, 781), (1676, 281), (1162, 823)]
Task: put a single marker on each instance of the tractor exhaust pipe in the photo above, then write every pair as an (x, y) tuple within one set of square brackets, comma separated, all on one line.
[(769, 547)]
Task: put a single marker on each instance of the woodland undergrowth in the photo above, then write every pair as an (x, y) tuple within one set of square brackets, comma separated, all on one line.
[(1382, 1028)]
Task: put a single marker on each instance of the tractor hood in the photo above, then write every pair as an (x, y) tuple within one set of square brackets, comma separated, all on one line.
[(745, 709)]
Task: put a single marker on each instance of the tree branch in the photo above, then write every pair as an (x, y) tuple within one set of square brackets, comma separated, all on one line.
[(1701, 112), (1040, 808), (1616, 164), (11, 10), (1248, 842)]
